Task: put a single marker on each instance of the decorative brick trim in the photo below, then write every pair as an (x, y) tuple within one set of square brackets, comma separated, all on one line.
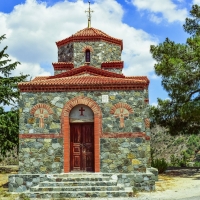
[(77, 88), (114, 64), (147, 123), (41, 111), (40, 135), (147, 137), (146, 101), (86, 68), (121, 110), (41, 105), (66, 129), (63, 65), (125, 135), (121, 105), (87, 48), (82, 39), (90, 34)]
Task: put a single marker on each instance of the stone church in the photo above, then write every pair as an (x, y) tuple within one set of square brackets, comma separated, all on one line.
[(86, 123)]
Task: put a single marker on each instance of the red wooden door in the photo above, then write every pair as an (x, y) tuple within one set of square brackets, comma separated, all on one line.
[(82, 147)]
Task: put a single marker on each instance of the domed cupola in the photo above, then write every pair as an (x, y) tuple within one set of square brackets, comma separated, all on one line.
[(89, 46)]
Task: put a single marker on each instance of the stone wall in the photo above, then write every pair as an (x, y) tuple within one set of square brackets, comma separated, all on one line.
[(40, 156), (59, 71), (101, 52), (118, 71), (66, 53), (28, 123), (123, 155)]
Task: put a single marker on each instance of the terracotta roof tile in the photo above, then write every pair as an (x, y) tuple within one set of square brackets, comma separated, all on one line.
[(113, 64), (91, 69), (38, 78), (63, 65), (88, 80), (90, 34), (83, 83), (113, 61), (137, 77)]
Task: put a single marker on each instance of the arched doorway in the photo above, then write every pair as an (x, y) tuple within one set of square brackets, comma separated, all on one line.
[(66, 124), (81, 139)]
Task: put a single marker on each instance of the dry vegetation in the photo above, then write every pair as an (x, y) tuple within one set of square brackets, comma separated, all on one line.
[(166, 145)]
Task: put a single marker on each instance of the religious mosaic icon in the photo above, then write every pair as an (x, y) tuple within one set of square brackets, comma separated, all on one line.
[(41, 111), (121, 110)]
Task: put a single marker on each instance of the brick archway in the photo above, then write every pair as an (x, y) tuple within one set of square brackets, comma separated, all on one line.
[(66, 129)]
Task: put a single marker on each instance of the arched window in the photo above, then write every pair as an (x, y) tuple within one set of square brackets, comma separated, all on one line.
[(87, 56)]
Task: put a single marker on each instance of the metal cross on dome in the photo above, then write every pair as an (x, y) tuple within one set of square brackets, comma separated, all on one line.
[(89, 15)]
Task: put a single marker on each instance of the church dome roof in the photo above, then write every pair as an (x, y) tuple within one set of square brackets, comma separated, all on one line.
[(90, 34)]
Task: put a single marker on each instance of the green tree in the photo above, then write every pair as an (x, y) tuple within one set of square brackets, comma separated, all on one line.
[(179, 67), (9, 95)]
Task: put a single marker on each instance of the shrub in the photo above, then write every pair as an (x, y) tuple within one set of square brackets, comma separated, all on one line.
[(160, 164), (197, 164)]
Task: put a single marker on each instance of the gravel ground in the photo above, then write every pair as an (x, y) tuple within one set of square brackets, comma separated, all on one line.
[(174, 185)]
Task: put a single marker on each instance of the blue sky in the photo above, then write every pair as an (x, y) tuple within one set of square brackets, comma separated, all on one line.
[(32, 27)]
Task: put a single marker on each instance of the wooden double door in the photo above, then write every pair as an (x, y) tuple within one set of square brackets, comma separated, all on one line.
[(82, 147)]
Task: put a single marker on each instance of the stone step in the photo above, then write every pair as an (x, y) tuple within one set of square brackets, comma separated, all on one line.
[(79, 194), (77, 179), (80, 183), (100, 175), (77, 188)]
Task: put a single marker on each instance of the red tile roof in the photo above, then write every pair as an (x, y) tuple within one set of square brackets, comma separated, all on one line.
[(74, 80), (39, 78), (90, 34), (91, 83), (112, 64), (90, 70), (63, 65)]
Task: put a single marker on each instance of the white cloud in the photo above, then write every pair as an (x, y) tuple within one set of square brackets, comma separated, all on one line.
[(33, 28), (154, 76), (155, 19), (154, 104), (128, 1), (196, 2), (27, 68), (167, 8), (30, 68)]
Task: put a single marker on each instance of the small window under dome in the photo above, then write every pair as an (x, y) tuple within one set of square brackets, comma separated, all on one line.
[(87, 56)]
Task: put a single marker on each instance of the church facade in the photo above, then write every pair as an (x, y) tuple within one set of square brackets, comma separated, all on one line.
[(86, 118)]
